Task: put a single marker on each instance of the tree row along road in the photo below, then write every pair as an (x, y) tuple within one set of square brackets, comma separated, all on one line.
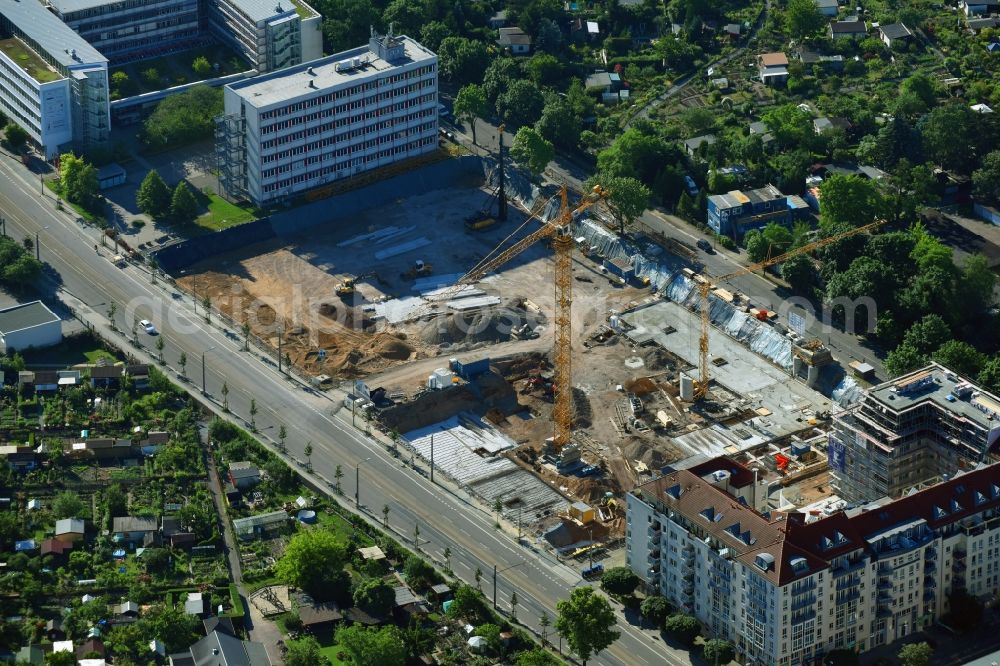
[(444, 519)]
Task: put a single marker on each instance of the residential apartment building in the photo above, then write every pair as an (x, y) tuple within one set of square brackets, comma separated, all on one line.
[(330, 119), (788, 588), (271, 34), (129, 30), (54, 84), (735, 213), (919, 428)]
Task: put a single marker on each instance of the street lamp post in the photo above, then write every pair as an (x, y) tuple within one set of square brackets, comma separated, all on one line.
[(203, 383), (495, 572), (357, 482)]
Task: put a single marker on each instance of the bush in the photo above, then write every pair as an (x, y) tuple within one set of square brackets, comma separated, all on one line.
[(201, 66), (717, 651), (725, 241)]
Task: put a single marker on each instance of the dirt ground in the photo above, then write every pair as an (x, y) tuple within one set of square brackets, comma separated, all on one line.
[(289, 285)]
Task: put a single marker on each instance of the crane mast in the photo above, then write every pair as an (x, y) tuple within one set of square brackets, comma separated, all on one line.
[(705, 288), (562, 408)]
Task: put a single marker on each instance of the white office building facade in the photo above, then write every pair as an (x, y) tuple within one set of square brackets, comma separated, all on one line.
[(56, 88), (271, 34), (327, 120), (787, 589)]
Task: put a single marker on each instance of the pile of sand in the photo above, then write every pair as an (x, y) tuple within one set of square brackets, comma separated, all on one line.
[(641, 386), (465, 330)]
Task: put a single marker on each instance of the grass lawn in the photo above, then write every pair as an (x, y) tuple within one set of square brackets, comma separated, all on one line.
[(80, 210), (330, 652), (221, 214), (73, 350), (36, 68)]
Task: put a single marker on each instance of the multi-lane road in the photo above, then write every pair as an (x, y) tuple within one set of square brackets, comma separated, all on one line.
[(446, 519)]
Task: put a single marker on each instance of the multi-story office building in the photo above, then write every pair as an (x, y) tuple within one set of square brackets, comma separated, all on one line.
[(271, 34), (55, 84), (735, 213), (315, 123), (787, 588), (129, 30), (918, 428)]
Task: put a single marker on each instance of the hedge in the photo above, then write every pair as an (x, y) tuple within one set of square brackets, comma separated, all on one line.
[(234, 596)]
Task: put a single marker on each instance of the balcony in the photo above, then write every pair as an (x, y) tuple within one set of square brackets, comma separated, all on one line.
[(847, 582), (803, 602), (929, 568), (930, 554), (929, 595), (958, 566), (884, 598), (929, 582), (885, 584), (847, 568), (959, 555), (885, 570), (803, 616), (848, 596), (653, 531)]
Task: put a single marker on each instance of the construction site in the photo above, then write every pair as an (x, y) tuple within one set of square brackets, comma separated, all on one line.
[(545, 363)]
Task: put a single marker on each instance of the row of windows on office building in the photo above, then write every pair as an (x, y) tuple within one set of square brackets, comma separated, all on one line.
[(345, 136), (342, 151), (114, 21), (345, 165), (347, 92), (374, 100)]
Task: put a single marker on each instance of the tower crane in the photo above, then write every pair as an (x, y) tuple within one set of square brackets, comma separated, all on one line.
[(705, 288), (559, 229)]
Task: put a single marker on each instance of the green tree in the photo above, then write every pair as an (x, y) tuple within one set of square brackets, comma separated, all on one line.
[(778, 237), (544, 69), (153, 196), (405, 17), (15, 136), (120, 82), (800, 274), (521, 103), (790, 125), (627, 198), (587, 622), (989, 376), (433, 33), (346, 23), (183, 205), (559, 124), (756, 245), (171, 625), (916, 654), (491, 633), (903, 359), (499, 75), (655, 609), (182, 118), (471, 105), (151, 75), (619, 581), (467, 604), (313, 561), (60, 659), (928, 334), (804, 18), (78, 180), (532, 150), (304, 652), (849, 200), (961, 357), (949, 136), (684, 628), (922, 86), (418, 572), (687, 208), (67, 504), (717, 651), (637, 155), (462, 60), (373, 647), (986, 179), (374, 596), (201, 66)]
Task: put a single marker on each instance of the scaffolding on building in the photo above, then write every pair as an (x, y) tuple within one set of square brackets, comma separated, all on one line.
[(230, 156)]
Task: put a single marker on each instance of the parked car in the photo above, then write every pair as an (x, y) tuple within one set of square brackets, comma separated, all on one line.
[(705, 246)]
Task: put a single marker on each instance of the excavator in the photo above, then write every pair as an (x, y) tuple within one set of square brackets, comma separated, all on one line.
[(348, 286)]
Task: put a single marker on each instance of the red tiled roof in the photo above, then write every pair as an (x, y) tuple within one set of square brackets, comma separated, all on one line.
[(748, 534)]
